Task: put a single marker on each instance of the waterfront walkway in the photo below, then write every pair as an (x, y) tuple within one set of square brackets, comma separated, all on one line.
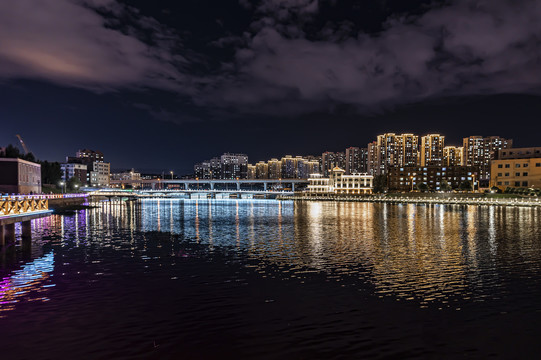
[(25, 208), (529, 202)]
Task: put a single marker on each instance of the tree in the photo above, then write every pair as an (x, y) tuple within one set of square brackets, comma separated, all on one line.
[(445, 186), (29, 157), (380, 184), (422, 187), (465, 185), (74, 184), (495, 189), (51, 173), (13, 152)]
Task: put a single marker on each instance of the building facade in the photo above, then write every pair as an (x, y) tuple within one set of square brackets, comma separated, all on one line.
[(131, 175), (99, 176), (340, 183), (251, 172), (391, 150), (330, 160), (234, 166), (275, 169), (90, 156), (356, 160), (75, 170), (261, 170), (453, 156), (372, 158), (431, 153), (19, 176), (407, 150), (517, 168), (480, 151), (227, 166), (408, 178)]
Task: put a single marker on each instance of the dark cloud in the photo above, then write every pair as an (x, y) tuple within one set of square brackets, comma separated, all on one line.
[(283, 63), (73, 43), (469, 47)]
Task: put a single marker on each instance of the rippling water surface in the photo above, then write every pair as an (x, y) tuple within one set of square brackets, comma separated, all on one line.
[(269, 279)]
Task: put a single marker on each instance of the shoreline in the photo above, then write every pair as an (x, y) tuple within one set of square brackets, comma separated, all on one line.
[(534, 202)]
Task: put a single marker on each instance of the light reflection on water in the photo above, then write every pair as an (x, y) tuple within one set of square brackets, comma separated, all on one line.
[(31, 281), (269, 279), (433, 254)]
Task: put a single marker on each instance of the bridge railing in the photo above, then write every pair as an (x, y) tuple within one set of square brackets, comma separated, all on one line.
[(17, 206), (43, 196)]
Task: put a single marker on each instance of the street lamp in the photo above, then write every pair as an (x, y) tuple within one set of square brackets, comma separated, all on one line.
[(473, 183), (171, 174), (76, 187), (411, 180), (63, 184)]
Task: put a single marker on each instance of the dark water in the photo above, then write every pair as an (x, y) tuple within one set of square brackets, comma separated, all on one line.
[(268, 279)]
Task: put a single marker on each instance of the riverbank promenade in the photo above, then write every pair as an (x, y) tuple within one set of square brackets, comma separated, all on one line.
[(450, 199)]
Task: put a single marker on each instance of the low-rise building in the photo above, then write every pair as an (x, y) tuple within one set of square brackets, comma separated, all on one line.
[(408, 178), (339, 183), (518, 167), (74, 170), (100, 174), (19, 176), (131, 175)]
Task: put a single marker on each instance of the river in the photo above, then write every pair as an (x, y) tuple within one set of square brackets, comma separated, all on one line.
[(173, 279)]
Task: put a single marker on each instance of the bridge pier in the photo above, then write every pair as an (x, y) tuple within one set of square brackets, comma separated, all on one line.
[(185, 186), (9, 233), (211, 186), (26, 227), (293, 187), (264, 186), (238, 186), (26, 238)]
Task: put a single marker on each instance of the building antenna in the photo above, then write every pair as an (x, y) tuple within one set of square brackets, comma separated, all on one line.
[(22, 144)]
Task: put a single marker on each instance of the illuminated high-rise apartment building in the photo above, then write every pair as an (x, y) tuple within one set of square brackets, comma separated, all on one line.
[(227, 166), (432, 150), (392, 150), (315, 163), (356, 160), (261, 170), (234, 166), (275, 169), (251, 171), (407, 149), (372, 158), (479, 151), (453, 156), (386, 153), (330, 160), (289, 167), (305, 168), (89, 156)]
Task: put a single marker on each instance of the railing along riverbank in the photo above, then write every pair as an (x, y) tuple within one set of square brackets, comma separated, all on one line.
[(530, 202), (11, 203)]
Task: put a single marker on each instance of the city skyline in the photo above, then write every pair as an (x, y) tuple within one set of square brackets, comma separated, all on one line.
[(208, 77), (410, 151)]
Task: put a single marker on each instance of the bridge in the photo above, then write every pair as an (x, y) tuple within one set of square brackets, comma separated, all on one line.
[(212, 184), (191, 193), (23, 209)]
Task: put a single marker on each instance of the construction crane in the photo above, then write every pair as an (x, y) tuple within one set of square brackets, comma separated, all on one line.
[(22, 144)]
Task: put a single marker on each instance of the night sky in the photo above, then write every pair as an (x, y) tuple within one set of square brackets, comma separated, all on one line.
[(159, 85)]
